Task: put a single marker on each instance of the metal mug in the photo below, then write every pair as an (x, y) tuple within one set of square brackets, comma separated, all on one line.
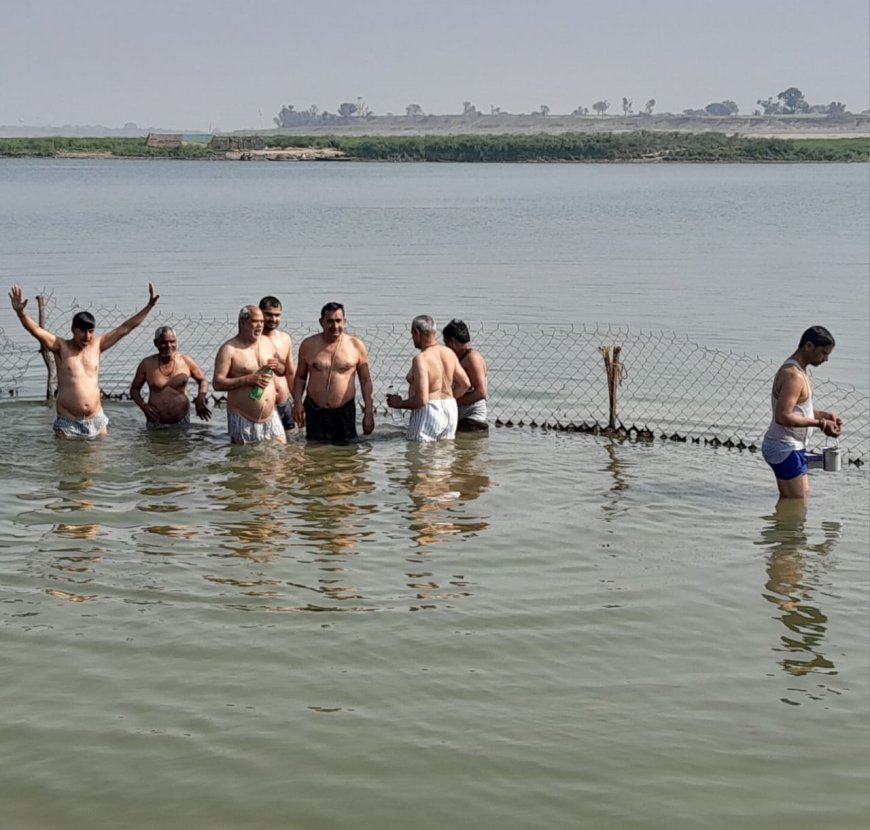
[(832, 460)]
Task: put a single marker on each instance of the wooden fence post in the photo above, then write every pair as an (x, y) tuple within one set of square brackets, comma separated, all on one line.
[(46, 357)]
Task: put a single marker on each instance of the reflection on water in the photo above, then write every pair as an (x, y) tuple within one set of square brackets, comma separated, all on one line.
[(331, 515), (441, 479), (254, 490), (441, 476), (330, 479), (612, 506), (79, 464), (793, 573)]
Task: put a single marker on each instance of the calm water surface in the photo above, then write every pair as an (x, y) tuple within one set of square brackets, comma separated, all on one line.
[(740, 257), (529, 630)]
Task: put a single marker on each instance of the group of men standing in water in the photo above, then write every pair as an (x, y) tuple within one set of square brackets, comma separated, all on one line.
[(267, 396)]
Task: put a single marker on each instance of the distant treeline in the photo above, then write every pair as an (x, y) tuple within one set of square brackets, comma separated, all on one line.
[(636, 146)]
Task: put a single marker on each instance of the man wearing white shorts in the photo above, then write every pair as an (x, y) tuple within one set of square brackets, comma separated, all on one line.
[(435, 381)]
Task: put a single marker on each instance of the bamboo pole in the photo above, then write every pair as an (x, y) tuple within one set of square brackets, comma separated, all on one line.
[(46, 357), (614, 370)]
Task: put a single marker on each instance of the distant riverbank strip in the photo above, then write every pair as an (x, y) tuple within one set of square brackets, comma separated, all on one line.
[(638, 146)]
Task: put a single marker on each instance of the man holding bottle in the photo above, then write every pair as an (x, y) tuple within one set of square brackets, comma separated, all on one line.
[(244, 368)]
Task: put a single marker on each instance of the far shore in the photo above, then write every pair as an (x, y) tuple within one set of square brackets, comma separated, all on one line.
[(589, 146)]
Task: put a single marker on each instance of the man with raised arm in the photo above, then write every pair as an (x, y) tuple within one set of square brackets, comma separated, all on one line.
[(435, 381), (245, 367), (271, 308), (471, 404), (328, 363), (79, 407), (795, 417), (168, 374)]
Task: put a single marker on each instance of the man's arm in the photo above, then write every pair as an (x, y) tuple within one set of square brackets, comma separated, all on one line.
[(790, 391), (476, 372), (461, 382), (222, 381), (289, 370), (199, 404), (418, 388), (46, 339), (367, 388), (297, 389), (826, 415), (111, 337), (139, 380)]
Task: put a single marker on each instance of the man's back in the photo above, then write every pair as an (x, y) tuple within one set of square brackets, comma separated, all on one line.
[(439, 366)]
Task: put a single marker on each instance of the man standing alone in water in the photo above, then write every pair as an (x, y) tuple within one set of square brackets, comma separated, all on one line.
[(271, 308), (79, 407), (327, 365), (794, 417), (245, 367), (472, 404), (435, 381)]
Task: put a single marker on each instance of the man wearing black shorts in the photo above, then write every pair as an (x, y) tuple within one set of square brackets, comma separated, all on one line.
[(324, 388)]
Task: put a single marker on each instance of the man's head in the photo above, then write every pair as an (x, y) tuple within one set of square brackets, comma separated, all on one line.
[(816, 345), (250, 322), (271, 308), (83, 324), (455, 334), (165, 341), (332, 320), (422, 330)]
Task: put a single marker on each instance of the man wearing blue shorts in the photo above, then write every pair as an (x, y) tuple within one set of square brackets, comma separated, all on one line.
[(794, 416)]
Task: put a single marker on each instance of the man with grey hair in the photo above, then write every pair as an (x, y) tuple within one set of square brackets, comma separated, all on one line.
[(435, 381), (168, 374), (244, 368)]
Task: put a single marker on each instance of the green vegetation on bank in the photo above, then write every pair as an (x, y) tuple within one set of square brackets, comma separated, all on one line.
[(635, 146), (120, 147)]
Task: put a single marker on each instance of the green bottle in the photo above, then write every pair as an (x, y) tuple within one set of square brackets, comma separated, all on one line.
[(257, 392)]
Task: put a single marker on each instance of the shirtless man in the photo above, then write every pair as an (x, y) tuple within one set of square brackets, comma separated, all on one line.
[(79, 408), (328, 363), (435, 381), (244, 365), (794, 417), (167, 374), (472, 404), (271, 308)]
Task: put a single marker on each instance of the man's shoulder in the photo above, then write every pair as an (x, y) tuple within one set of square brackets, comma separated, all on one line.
[(279, 338), (232, 344), (313, 341)]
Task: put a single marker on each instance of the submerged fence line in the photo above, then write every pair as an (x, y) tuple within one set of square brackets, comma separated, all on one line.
[(576, 378)]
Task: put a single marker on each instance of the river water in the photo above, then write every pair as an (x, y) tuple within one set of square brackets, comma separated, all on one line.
[(533, 629)]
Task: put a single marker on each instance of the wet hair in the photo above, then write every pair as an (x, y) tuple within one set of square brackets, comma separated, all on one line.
[(329, 308), (818, 336), (423, 323), (84, 321), (245, 312), (161, 330), (269, 302), (456, 330)]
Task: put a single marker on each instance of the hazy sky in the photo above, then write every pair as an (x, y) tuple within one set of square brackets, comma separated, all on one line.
[(230, 65)]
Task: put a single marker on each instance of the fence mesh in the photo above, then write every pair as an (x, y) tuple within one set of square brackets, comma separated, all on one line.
[(545, 376)]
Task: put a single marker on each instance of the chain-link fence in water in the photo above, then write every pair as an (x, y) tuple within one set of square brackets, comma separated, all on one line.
[(551, 377)]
